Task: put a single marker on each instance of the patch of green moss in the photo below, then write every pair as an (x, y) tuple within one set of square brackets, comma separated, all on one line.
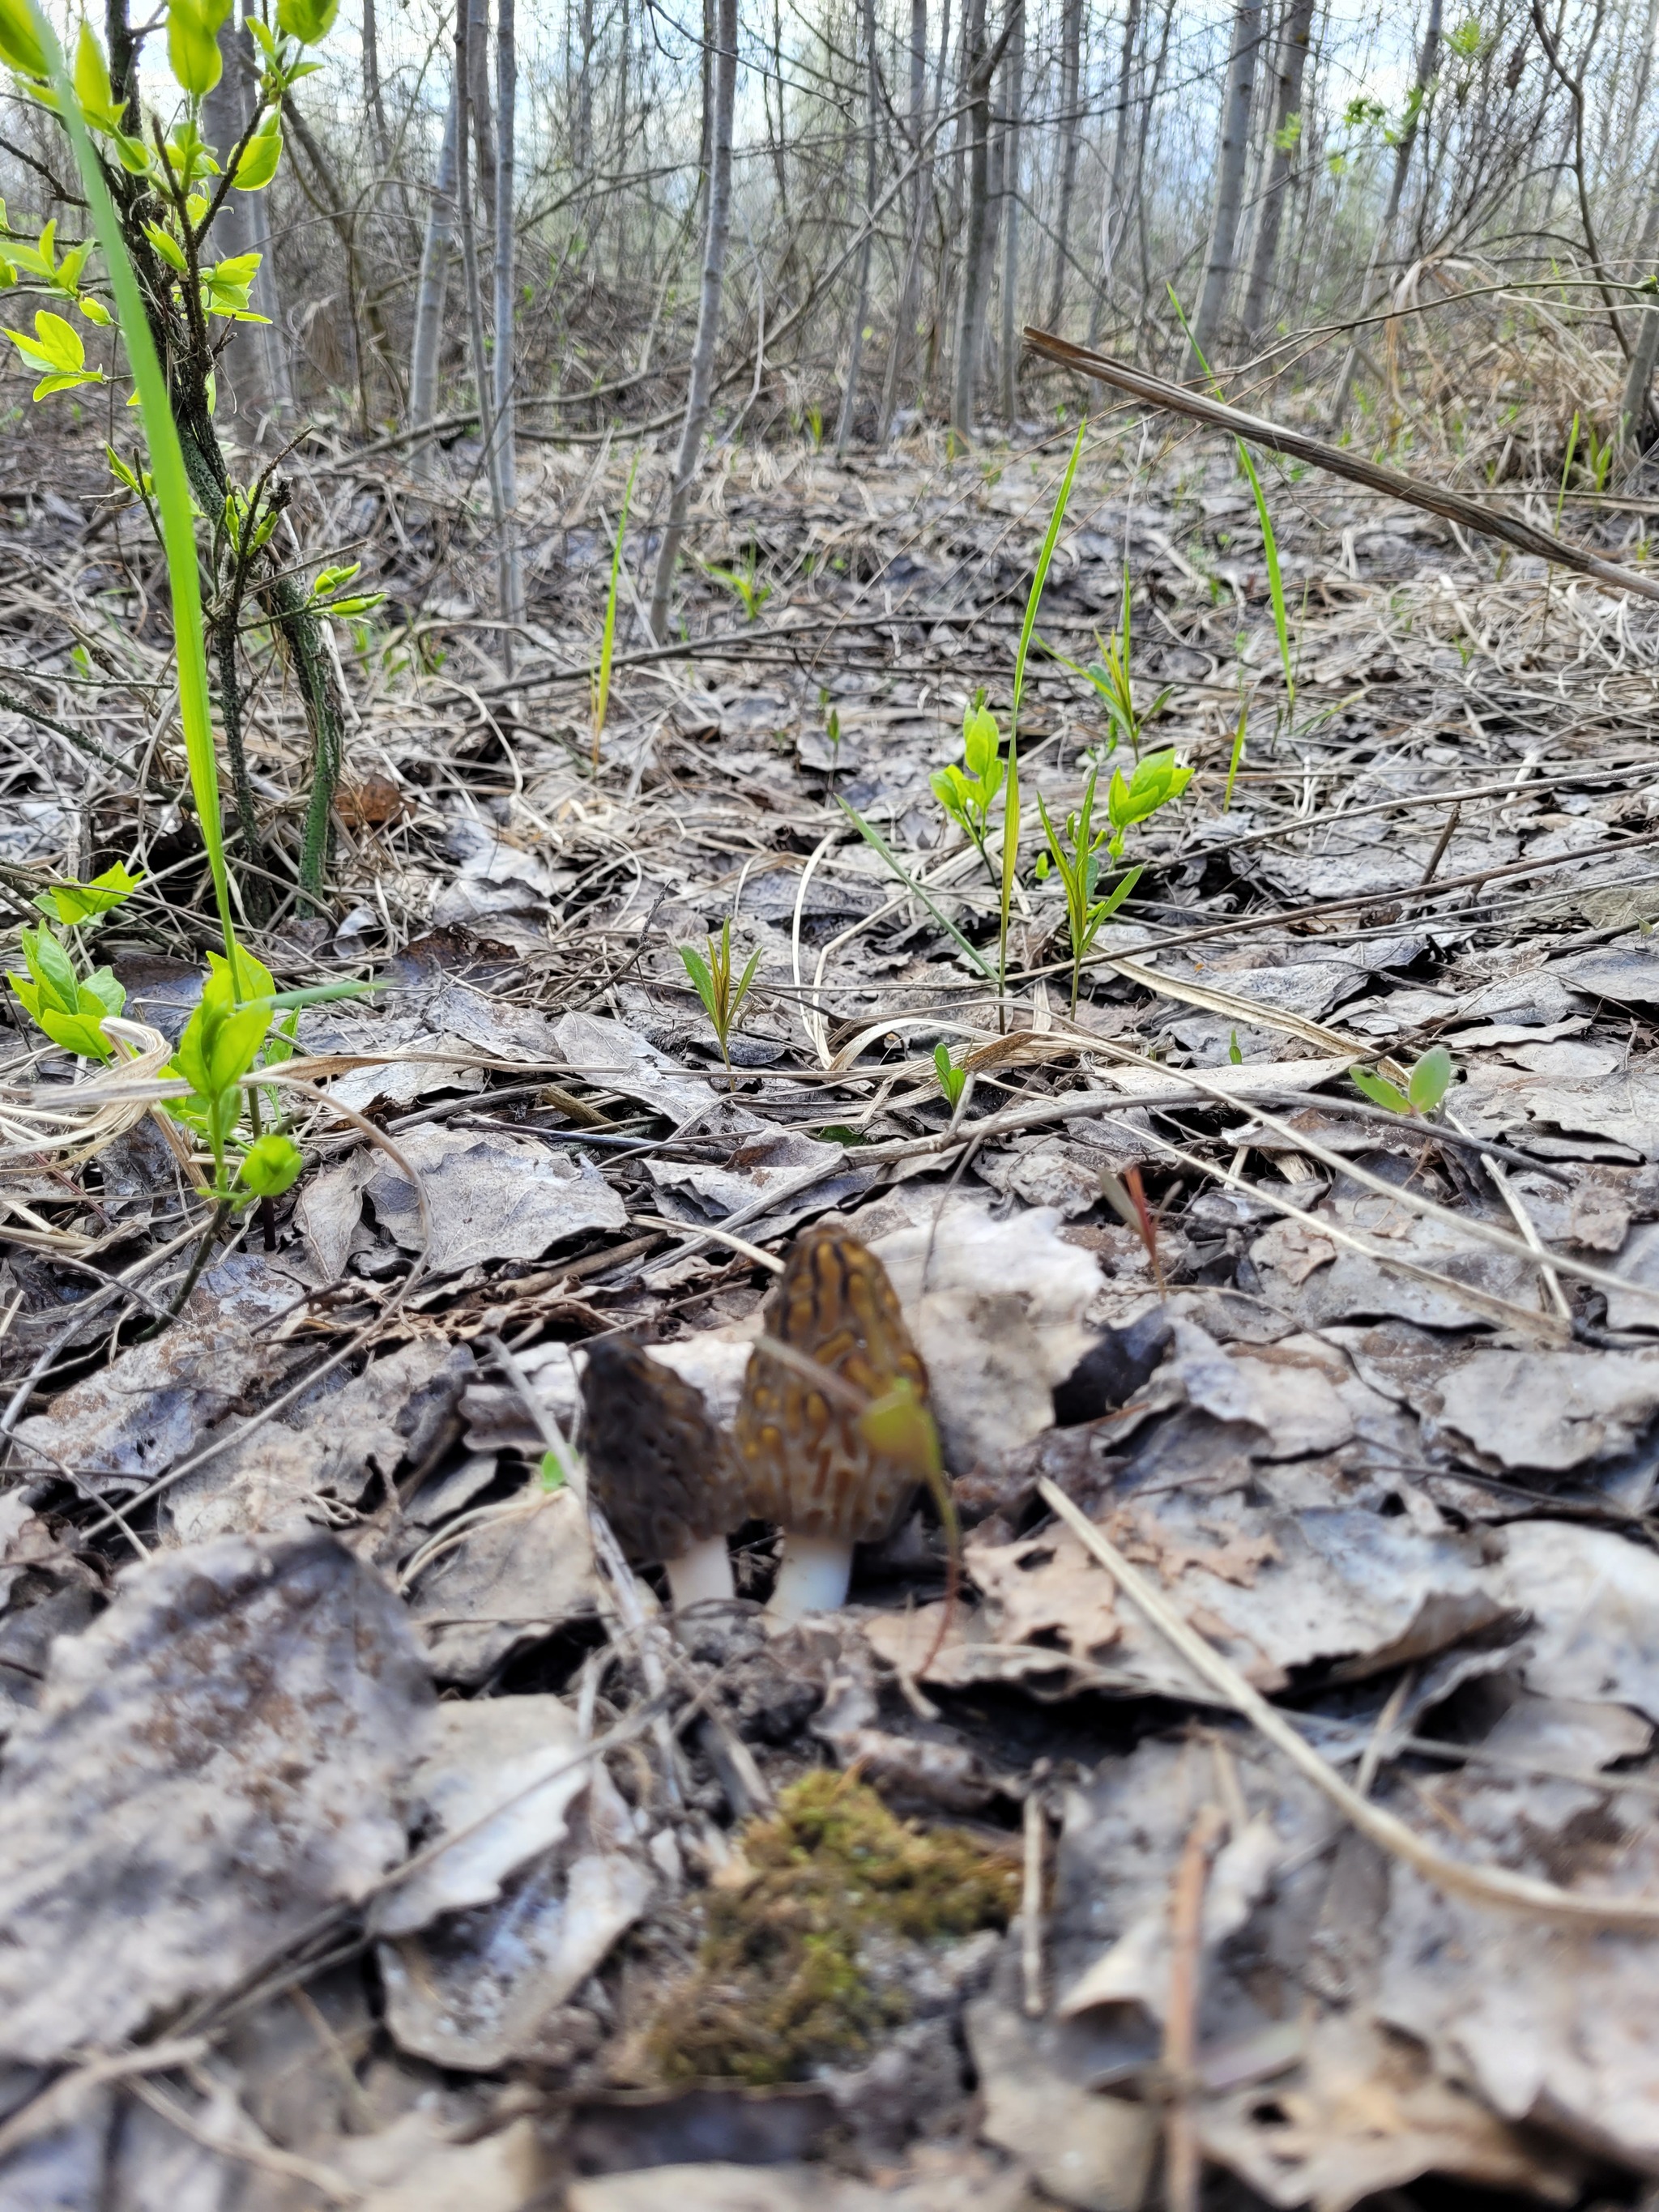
[(784, 1983)]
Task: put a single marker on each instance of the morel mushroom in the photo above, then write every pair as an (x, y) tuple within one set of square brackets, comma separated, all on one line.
[(806, 1452), (659, 1470)]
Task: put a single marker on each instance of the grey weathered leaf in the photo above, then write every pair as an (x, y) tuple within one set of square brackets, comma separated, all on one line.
[(212, 1763), (491, 1197), (134, 1417)]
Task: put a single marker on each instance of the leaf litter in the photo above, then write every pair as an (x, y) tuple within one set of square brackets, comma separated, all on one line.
[(374, 1836)]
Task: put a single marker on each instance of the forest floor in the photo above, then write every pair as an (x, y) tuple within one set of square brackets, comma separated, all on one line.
[(1275, 1799)]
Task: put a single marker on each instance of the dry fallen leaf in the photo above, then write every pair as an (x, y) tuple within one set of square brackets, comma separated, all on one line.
[(212, 1763)]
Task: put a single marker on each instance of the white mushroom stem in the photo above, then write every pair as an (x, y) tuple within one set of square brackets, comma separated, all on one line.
[(813, 1577), (703, 1573)]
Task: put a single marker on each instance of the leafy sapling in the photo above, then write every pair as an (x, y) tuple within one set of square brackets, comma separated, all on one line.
[(721, 998), (1427, 1084), (1075, 851), (967, 793), (71, 1003)]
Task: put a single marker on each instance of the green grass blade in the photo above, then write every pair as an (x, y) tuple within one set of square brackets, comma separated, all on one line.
[(872, 837), (608, 646), (166, 462), (1270, 544), (1040, 576)]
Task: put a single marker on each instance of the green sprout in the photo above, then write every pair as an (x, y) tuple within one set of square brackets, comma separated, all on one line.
[(608, 642), (967, 792), (744, 584), (721, 998), (1425, 1085), (1075, 853), (952, 1080)]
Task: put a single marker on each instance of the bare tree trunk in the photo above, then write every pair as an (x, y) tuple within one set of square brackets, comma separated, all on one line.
[(477, 100), (921, 194), (1112, 215), (1015, 97), (506, 456), (1427, 63), (861, 287), (1071, 50), (465, 21), (1229, 182), (430, 289), (1635, 404), (970, 334), (584, 147), (723, 81), (1282, 151), (373, 98)]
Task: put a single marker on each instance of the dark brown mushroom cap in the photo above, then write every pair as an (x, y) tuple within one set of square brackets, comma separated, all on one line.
[(807, 1464), (660, 1471)]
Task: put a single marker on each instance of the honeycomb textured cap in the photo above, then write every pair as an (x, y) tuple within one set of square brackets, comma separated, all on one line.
[(807, 1461), (660, 1471)]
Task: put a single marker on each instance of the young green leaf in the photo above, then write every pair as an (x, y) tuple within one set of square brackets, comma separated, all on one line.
[(952, 1081), (1430, 1079), (1380, 1090)]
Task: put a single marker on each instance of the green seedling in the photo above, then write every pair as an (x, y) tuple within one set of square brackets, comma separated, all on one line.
[(70, 1006), (1156, 780), (1238, 756), (1426, 1085), (721, 998), (608, 641), (1566, 471), (743, 584), (1075, 851), (1233, 1053), (1027, 630), (952, 1080), (967, 793), (72, 1009), (1113, 685)]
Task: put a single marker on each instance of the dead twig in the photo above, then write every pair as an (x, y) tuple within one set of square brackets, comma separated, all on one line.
[(1434, 498)]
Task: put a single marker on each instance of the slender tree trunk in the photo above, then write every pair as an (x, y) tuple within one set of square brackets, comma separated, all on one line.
[(465, 21), (585, 95), (1281, 153), (432, 284), (477, 100), (1113, 215), (1071, 119), (373, 98), (970, 334), (1229, 182), (922, 193), (1428, 62), (505, 455), (723, 80), (1011, 144), (1635, 415), (861, 287)]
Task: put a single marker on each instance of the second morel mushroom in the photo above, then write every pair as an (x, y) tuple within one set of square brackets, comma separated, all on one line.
[(805, 1451), (658, 1469)]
